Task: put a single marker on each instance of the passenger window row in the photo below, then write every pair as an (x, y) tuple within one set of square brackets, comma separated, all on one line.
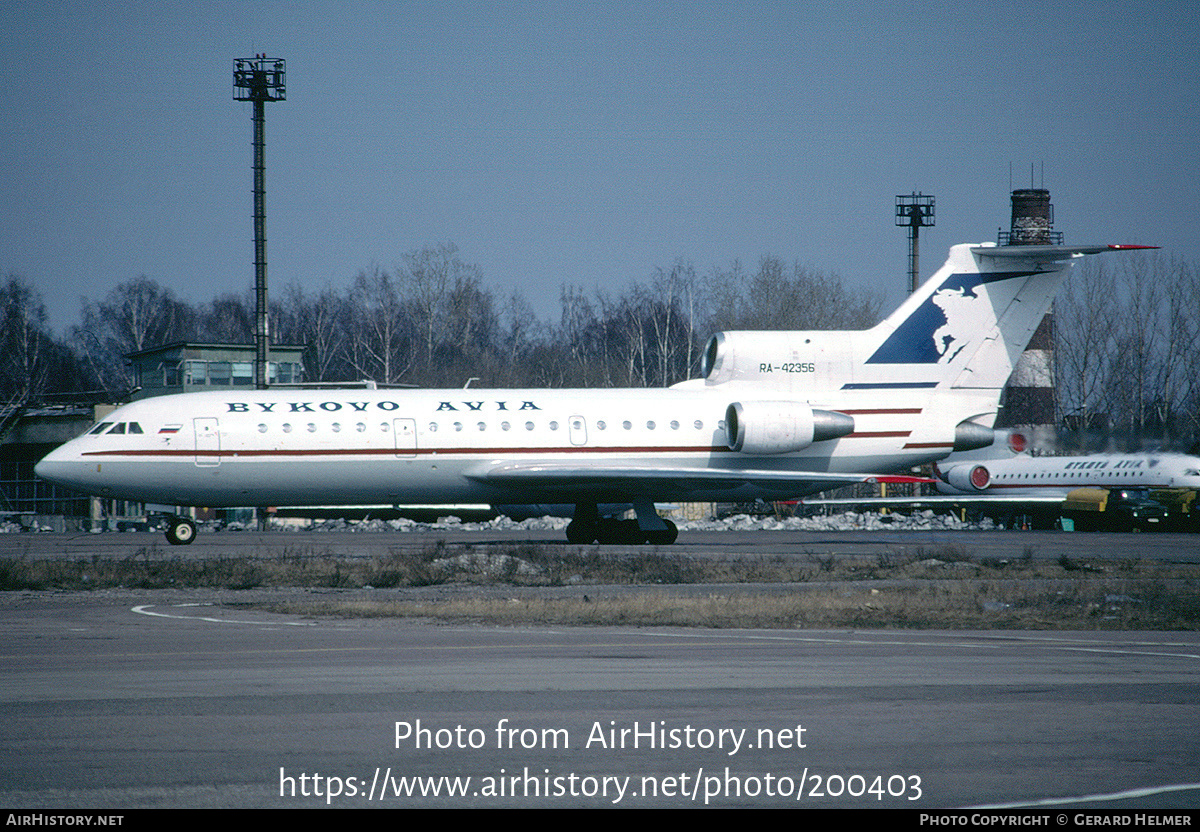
[(458, 427), (120, 428)]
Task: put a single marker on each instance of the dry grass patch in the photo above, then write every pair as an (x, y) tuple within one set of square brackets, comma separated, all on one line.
[(933, 588), (920, 605)]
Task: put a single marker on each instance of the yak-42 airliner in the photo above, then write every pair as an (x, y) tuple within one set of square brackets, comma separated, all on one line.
[(776, 415)]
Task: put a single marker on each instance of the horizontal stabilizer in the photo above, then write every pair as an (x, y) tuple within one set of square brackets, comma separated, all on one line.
[(1049, 253)]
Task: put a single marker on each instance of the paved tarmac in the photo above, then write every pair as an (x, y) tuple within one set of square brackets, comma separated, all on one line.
[(741, 543), (124, 699)]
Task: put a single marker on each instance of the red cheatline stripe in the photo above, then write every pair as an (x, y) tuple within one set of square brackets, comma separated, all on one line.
[(403, 451), (882, 411), (1073, 485), (642, 449)]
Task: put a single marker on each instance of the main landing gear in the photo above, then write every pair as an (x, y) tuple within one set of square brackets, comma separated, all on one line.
[(589, 527)]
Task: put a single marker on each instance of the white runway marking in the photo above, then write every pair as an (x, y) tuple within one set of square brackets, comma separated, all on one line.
[(1077, 645), (145, 609), (1148, 791)]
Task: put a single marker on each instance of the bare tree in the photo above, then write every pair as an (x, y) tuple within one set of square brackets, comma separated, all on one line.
[(427, 275), (134, 316), (322, 323), (22, 366), (1126, 350), (776, 298), (1083, 343), (380, 339), (33, 363), (228, 319)]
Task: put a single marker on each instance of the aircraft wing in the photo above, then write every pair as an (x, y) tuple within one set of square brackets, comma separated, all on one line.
[(635, 479)]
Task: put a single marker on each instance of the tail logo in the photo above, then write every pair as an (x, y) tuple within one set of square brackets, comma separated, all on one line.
[(944, 323)]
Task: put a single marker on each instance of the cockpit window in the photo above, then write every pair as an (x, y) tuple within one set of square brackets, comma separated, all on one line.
[(117, 429)]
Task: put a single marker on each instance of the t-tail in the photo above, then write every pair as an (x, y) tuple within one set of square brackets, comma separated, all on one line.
[(946, 352)]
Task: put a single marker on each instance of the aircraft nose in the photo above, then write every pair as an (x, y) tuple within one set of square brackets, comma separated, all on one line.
[(62, 466)]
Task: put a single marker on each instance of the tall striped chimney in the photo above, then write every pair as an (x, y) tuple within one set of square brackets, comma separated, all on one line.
[(1029, 397)]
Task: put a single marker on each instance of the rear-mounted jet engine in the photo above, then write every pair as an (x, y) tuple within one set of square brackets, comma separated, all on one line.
[(781, 427)]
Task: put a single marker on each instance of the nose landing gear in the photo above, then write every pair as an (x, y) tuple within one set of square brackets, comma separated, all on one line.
[(180, 531)]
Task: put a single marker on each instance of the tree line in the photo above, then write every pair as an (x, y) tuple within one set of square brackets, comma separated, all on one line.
[(1127, 352), (430, 321), (1127, 333)]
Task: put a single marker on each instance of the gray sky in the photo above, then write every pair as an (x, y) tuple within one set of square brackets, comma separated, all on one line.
[(578, 142)]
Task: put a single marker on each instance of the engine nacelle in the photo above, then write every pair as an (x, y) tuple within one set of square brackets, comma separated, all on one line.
[(781, 427), (792, 359), (968, 477), (969, 436)]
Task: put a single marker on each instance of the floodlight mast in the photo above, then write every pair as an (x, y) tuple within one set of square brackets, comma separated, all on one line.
[(260, 80), (914, 211)]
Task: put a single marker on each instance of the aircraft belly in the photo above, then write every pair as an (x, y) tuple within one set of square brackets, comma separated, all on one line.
[(243, 479), (249, 482), (333, 482)]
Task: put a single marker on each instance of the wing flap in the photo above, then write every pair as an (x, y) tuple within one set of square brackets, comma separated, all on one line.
[(634, 479)]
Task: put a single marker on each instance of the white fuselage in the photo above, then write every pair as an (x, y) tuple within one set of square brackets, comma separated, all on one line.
[(352, 446)]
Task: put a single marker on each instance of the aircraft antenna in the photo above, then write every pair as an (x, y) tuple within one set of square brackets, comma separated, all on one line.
[(914, 211), (259, 80)]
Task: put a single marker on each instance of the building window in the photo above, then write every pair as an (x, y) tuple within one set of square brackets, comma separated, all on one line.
[(195, 373), (284, 372)]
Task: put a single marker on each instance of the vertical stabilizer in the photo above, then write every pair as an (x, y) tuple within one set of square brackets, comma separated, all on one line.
[(968, 323)]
